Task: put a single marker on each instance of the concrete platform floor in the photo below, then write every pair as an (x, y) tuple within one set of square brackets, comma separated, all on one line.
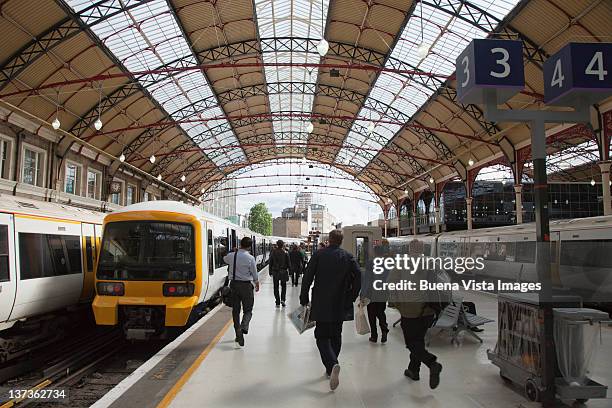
[(280, 368)]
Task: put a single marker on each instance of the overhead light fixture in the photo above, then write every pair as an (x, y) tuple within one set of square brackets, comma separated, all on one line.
[(304, 160), (309, 127), (159, 177), (371, 127), (56, 123), (431, 180), (122, 158), (504, 182), (470, 162), (322, 47), (98, 124), (183, 178), (183, 189), (592, 182), (307, 178), (406, 191), (422, 50), (152, 159), (203, 190)]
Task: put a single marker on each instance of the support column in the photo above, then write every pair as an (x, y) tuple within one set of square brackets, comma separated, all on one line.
[(437, 218), (468, 203), (414, 223), (518, 199), (605, 186), (386, 218)]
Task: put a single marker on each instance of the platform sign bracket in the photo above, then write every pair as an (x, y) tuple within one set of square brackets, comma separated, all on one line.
[(479, 82)]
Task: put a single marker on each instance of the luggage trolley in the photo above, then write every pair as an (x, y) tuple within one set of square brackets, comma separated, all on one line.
[(518, 354)]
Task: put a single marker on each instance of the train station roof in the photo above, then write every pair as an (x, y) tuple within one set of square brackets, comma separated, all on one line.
[(197, 90)]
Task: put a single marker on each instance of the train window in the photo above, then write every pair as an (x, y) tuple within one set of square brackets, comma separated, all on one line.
[(220, 251), (588, 253), (55, 255), (89, 253), (147, 250), (211, 266), (477, 249), (4, 254), (496, 251), (525, 251)]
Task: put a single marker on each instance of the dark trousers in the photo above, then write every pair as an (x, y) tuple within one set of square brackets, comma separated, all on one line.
[(283, 292), (376, 310), (295, 276), (414, 335), (329, 342), (242, 293)]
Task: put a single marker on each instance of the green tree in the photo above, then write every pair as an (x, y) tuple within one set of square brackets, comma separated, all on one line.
[(260, 220)]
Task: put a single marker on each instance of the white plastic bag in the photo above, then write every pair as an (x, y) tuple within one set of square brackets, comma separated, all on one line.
[(361, 321)]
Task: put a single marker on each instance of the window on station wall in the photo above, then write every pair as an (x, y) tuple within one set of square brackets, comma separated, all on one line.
[(72, 179), (93, 184), (130, 197), (5, 158), (33, 166)]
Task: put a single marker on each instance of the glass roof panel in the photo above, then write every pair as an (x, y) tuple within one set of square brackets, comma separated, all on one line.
[(446, 36), (296, 18), (148, 37)]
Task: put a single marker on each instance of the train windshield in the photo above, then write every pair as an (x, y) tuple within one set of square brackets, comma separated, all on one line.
[(147, 250)]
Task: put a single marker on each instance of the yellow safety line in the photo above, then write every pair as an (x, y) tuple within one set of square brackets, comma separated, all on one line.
[(185, 377), (16, 401)]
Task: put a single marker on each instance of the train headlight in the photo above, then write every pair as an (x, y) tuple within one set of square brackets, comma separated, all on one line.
[(110, 288), (179, 289)]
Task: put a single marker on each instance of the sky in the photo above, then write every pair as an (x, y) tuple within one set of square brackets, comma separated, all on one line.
[(348, 206)]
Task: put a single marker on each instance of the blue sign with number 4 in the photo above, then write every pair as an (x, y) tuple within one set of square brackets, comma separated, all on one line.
[(580, 73), (490, 65)]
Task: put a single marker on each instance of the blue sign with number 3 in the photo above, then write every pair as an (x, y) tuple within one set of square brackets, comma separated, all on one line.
[(578, 74), (488, 64)]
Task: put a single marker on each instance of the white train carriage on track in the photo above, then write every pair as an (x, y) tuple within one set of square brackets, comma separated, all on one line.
[(47, 258)]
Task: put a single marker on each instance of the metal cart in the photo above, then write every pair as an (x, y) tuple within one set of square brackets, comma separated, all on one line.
[(518, 351)]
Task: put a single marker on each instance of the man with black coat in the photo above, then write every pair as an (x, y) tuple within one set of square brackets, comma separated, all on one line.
[(279, 270), (337, 282)]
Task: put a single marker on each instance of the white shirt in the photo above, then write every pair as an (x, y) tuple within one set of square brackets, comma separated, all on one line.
[(246, 268)]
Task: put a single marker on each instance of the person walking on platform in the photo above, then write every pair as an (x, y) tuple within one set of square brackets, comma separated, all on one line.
[(377, 299), (297, 260), (416, 318), (279, 270), (337, 281), (243, 277)]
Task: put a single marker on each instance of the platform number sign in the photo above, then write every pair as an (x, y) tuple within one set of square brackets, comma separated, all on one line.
[(488, 64), (578, 73)]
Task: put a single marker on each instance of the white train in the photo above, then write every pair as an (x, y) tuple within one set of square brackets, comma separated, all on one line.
[(581, 253), (161, 261), (47, 258)]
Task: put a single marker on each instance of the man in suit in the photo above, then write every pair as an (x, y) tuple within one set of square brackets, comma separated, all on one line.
[(279, 270), (337, 282)]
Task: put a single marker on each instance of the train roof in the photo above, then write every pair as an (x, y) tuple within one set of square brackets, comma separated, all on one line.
[(21, 205), (604, 221)]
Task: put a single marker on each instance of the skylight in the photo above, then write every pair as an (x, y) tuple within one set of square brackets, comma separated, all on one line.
[(444, 37), (297, 19), (148, 37)]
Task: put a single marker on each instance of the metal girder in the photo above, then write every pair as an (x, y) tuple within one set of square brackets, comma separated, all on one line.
[(476, 16), (195, 54), (65, 29)]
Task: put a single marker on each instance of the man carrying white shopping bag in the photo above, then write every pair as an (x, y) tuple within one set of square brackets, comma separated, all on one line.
[(337, 281)]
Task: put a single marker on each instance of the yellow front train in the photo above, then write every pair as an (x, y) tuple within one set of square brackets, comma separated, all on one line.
[(159, 263)]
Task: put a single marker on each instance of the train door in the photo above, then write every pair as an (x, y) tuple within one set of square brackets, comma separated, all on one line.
[(234, 241), (89, 247), (362, 250), (8, 275)]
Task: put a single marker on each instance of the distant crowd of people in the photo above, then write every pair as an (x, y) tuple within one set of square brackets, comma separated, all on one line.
[(337, 281)]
